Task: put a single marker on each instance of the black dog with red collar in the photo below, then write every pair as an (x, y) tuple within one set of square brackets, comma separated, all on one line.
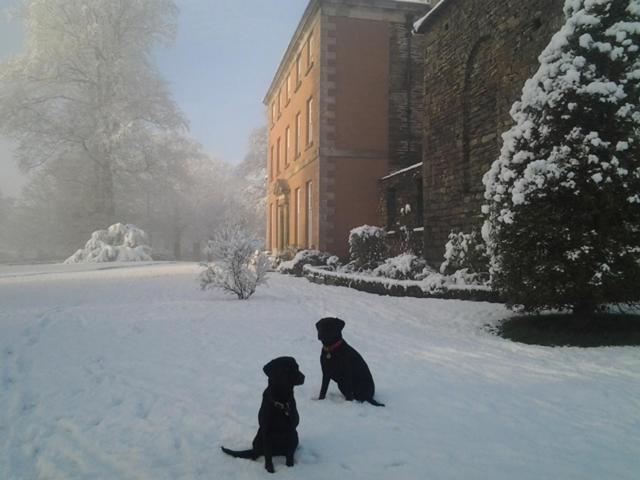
[(341, 363)]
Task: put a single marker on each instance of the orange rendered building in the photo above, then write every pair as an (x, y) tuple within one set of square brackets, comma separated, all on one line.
[(344, 110)]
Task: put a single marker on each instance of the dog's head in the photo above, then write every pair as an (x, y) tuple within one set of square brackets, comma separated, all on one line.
[(330, 330), (284, 370)]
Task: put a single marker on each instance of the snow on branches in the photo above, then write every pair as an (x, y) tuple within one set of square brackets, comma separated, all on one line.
[(237, 266)]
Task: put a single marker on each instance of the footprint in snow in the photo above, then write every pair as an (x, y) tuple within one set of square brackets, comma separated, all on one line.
[(307, 456), (142, 411), (396, 464)]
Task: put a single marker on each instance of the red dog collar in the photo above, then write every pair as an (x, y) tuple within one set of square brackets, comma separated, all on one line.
[(333, 347)]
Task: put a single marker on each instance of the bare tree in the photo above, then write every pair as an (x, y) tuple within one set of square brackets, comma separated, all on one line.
[(252, 175), (237, 267)]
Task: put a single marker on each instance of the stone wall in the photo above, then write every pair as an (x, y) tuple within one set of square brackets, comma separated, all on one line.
[(406, 117), (406, 94), (478, 55)]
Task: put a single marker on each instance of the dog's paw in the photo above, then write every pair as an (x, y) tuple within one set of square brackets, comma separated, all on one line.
[(290, 462), (270, 468)]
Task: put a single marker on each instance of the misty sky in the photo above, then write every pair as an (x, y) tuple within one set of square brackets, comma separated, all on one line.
[(219, 69)]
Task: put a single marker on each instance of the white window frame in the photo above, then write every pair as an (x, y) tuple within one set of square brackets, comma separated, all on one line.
[(309, 213), (287, 146), (310, 121)]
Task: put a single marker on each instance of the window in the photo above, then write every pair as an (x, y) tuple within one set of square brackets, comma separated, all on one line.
[(310, 121), (298, 71), (391, 207), (271, 164), (298, 134), (279, 102), (288, 88), (310, 52), (309, 213), (287, 145), (298, 218), (273, 114), (278, 155), (270, 233), (419, 202)]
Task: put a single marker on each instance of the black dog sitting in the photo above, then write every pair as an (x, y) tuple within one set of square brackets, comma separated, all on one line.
[(278, 416), (343, 364)]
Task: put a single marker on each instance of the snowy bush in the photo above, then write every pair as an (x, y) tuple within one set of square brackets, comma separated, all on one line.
[(465, 251), (119, 243), (333, 262), (403, 267), (367, 247), (295, 266), (237, 266), (563, 199)]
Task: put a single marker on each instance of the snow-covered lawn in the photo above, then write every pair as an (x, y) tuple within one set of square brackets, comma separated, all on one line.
[(113, 372)]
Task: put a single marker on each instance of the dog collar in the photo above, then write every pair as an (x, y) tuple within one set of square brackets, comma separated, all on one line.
[(285, 407), (332, 348)]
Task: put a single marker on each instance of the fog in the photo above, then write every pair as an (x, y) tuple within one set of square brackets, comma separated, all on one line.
[(109, 119), (11, 179)]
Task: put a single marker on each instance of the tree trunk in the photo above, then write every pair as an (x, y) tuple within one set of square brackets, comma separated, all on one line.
[(105, 204)]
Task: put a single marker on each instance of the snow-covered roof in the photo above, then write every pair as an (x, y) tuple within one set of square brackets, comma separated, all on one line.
[(420, 23), (404, 170)]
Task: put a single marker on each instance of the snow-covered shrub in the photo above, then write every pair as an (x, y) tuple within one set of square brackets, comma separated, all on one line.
[(563, 199), (333, 262), (403, 267), (287, 254), (119, 243), (367, 247), (237, 266), (465, 251), (295, 266)]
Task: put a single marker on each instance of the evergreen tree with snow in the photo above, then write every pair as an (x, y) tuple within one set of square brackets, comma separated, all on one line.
[(563, 200)]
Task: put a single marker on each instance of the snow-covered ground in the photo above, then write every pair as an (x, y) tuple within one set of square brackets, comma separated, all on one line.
[(118, 372)]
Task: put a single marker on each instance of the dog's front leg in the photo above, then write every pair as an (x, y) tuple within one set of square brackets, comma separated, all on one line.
[(290, 460), (268, 453), (268, 463), (324, 387)]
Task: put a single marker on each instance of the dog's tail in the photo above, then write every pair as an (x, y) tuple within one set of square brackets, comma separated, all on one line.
[(240, 453), (374, 403)]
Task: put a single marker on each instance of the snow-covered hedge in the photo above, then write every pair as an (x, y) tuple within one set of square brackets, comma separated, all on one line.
[(119, 243), (403, 267), (433, 286), (367, 247), (315, 258)]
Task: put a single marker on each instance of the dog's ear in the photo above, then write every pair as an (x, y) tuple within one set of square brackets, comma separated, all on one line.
[(271, 368)]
